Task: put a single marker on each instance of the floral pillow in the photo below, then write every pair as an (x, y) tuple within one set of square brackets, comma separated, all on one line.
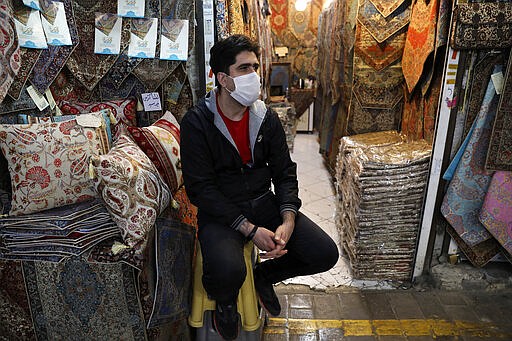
[(124, 110), (132, 189), (161, 143), (49, 162)]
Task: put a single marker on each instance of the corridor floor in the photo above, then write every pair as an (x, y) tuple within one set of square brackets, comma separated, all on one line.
[(334, 306)]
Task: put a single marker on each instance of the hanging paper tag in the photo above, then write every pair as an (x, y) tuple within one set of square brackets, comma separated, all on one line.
[(38, 99), (131, 8), (107, 33), (174, 39), (49, 97), (151, 101), (31, 33), (497, 80), (143, 34), (57, 32)]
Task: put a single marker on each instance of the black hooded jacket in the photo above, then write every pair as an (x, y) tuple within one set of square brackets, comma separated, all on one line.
[(214, 175)]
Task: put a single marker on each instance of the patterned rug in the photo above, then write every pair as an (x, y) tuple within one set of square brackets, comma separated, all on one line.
[(386, 7), (173, 85), (86, 66), (152, 72), (279, 18), (221, 19), (479, 78), (496, 214), (480, 254), (362, 120), (174, 244), (185, 102), (77, 300), (121, 69), (378, 55), (377, 89), (23, 103), (67, 88), (420, 42), (466, 190), (9, 49), (15, 321), (236, 21), (28, 58), (52, 60), (412, 116), (499, 155), (349, 24), (380, 27)]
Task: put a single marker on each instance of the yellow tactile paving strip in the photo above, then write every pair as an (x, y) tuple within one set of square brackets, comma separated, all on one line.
[(412, 327)]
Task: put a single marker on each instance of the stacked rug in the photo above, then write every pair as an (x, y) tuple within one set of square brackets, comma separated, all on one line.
[(287, 116), (381, 180), (55, 234)]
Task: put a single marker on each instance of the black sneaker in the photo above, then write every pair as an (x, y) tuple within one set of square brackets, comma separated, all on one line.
[(267, 296), (226, 321)]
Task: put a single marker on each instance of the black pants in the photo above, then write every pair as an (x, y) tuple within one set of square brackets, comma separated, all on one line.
[(310, 251)]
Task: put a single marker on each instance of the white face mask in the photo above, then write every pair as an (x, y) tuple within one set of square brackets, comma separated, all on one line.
[(247, 88)]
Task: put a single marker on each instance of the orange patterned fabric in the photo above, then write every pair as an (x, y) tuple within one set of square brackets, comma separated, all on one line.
[(236, 21), (279, 18), (186, 211), (412, 117), (378, 55), (420, 40)]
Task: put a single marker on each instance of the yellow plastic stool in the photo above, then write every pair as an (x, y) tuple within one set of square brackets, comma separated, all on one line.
[(247, 301)]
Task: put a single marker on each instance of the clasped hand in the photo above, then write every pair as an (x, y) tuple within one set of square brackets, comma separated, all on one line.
[(273, 243)]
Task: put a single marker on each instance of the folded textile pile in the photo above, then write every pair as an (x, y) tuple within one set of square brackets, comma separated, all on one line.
[(56, 234), (287, 116), (381, 180)]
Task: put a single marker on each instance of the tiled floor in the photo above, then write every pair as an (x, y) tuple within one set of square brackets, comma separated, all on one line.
[(318, 197)]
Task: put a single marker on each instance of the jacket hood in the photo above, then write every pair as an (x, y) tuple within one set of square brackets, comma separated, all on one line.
[(257, 113)]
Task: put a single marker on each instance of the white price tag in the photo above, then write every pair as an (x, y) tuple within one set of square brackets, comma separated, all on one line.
[(497, 80), (38, 99), (151, 101)]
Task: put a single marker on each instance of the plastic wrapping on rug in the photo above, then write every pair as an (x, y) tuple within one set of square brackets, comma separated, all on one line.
[(381, 181)]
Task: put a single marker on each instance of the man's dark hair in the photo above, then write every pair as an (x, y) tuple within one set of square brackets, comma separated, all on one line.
[(223, 53)]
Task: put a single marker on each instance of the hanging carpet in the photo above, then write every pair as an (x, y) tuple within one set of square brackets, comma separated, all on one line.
[(222, 19), (9, 49), (380, 27), (479, 78), (386, 7), (466, 191), (496, 214), (28, 58), (378, 55), (377, 89), (121, 69), (52, 60), (279, 18), (87, 66), (362, 120), (420, 42), (499, 155)]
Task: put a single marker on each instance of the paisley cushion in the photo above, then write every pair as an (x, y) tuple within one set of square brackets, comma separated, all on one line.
[(132, 189), (161, 143), (49, 162)]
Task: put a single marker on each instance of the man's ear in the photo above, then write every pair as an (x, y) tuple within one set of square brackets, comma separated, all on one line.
[(222, 79)]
